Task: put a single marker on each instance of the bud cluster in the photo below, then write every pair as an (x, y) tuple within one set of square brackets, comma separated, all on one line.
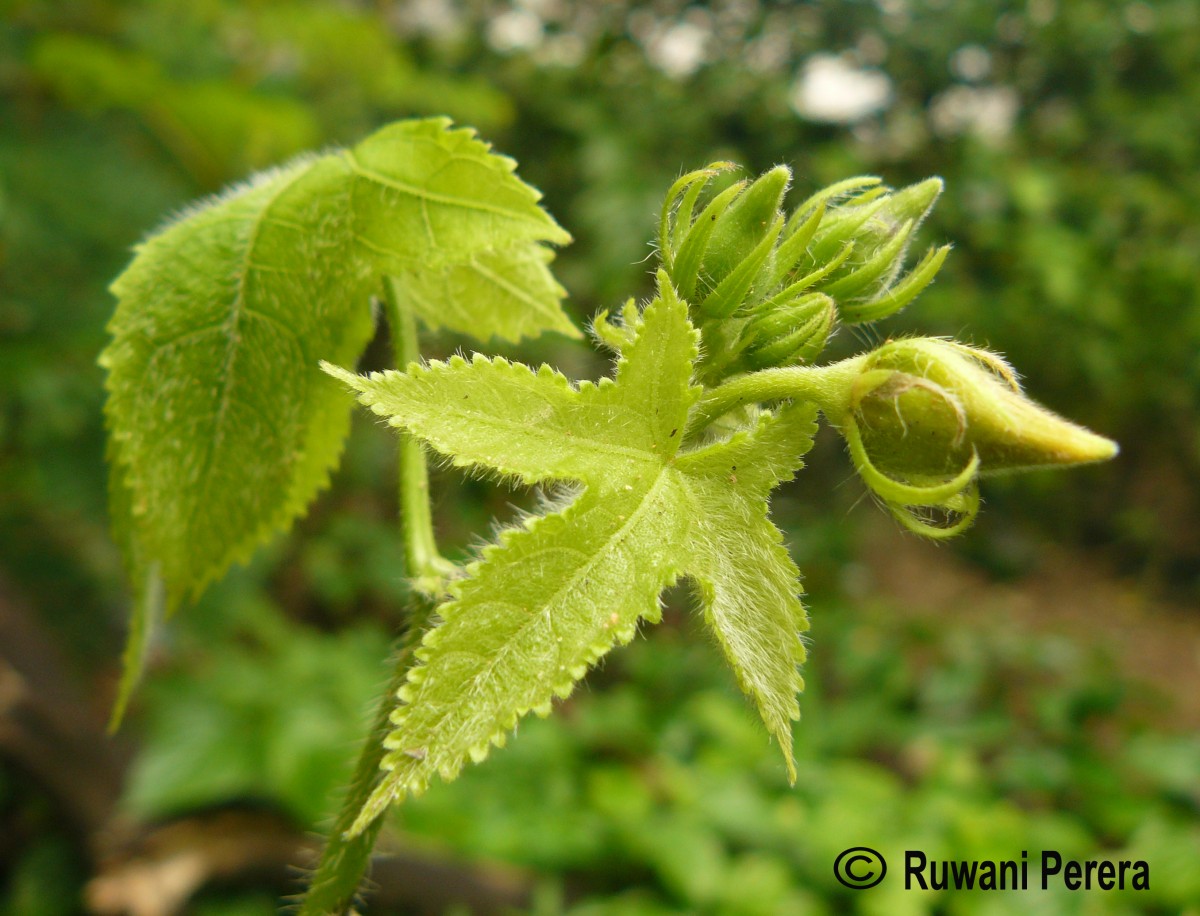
[(767, 289), (923, 418)]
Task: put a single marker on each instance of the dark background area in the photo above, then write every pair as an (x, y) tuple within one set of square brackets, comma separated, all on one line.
[(1035, 684)]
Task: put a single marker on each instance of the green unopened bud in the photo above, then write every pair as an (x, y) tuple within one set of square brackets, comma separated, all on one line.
[(741, 228), (684, 267), (873, 218), (879, 223), (723, 257), (914, 202), (848, 242), (735, 290), (925, 417), (944, 401), (789, 332)]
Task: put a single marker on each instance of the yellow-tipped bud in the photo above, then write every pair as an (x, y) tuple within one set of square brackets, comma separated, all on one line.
[(925, 418), (925, 406)]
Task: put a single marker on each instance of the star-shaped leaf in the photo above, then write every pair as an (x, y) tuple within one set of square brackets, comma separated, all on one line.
[(557, 592)]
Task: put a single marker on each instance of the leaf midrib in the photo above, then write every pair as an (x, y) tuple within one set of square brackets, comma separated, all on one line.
[(235, 313), (532, 302), (555, 437), (555, 600)]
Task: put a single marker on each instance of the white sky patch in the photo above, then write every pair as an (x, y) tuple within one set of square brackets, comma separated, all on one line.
[(831, 90)]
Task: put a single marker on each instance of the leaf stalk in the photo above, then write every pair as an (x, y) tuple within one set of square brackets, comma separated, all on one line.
[(426, 566), (334, 885)]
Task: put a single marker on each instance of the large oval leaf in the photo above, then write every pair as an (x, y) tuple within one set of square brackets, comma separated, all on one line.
[(222, 425)]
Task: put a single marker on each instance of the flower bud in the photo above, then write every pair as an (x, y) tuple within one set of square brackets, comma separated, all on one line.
[(925, 417), (944, 400), (847, 242), (789, 330), (720, 259), (879, 223), (741, 228)]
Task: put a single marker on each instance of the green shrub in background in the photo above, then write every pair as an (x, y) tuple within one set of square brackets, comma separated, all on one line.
[(655, 791)]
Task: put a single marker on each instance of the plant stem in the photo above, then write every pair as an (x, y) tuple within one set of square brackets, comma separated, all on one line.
[(826, 386), (426, 566), (336, 880)]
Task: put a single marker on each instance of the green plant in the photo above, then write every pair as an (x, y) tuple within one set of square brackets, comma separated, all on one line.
[(223, 428)]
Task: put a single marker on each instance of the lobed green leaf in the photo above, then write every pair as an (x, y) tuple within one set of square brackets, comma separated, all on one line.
[(558, 592), (748, 584), (222, 427)]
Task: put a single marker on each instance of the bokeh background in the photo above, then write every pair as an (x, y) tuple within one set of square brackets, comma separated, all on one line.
[(1034, 685)]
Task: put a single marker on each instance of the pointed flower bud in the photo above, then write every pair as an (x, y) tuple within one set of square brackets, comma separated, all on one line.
[(719, 259), (879, 223), (924, 418), (849, 241), (745, 224), (789, 330)]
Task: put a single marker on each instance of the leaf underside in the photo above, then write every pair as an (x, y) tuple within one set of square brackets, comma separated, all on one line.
[(222, 427), (558, 591)]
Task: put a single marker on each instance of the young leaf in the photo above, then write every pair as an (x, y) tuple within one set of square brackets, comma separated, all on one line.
[(222, 427), (559, 591)]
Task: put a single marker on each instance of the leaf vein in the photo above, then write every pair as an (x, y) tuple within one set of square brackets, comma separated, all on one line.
[(622, 534), (231, 350), (433, 196), (512, 289), (551, 437)]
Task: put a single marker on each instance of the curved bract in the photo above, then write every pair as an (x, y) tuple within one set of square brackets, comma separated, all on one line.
[(742, 260)]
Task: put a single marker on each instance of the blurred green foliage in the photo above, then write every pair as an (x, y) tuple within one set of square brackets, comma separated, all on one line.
[(1067, 136), (656, 790), (42, 865)]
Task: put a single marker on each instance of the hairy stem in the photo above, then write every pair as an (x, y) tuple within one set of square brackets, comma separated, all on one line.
[(344, 860), (826, 386), (334, 884)]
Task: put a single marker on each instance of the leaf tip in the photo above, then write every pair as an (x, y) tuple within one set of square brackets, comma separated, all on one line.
[(342, 375), (790, 762)]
